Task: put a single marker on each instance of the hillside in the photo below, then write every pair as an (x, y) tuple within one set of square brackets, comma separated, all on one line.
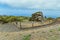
[(52, 32)]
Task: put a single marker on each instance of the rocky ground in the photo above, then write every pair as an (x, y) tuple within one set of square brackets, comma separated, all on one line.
[(10, 32)]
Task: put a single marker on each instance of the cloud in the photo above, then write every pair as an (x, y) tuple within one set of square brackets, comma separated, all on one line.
[(24, 7), (40, 4)]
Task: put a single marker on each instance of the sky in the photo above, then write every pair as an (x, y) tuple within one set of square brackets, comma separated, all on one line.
[(50, 8)]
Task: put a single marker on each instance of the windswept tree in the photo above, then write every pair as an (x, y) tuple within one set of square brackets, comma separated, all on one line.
[(37, 16)]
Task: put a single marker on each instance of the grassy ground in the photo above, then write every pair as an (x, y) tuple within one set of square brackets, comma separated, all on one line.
[(46, 33)]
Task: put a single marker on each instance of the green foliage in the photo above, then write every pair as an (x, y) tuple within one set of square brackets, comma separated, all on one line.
[(57, 18), (50, 18), (31, 19), (59, 29), (36, 16), (51, 30), (27, 37), (6, 19)]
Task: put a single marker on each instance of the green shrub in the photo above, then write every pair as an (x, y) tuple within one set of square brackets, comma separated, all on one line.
[(27, 37), (59, 29), (51, 30)]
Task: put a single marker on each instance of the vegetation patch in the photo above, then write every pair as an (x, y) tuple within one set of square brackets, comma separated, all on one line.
[(51, 30), (59, 29), (27, 37)]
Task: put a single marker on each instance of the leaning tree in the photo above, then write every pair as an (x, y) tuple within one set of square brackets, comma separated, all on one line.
[(37, 16)]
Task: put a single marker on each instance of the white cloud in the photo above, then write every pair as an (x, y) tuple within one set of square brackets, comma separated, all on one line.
[(49, 4)]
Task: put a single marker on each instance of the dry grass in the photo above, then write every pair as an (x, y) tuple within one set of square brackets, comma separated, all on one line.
[(29, 24), (48, 33)]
